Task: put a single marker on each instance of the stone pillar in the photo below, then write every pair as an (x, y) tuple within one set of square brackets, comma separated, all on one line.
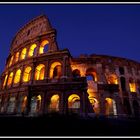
[(38, 47), (28, 106), (21, 75), (44, 103), (102, 104), (63, 105), (47, 71), (33, 72), (64, 67), (52, 43), (14, 73)]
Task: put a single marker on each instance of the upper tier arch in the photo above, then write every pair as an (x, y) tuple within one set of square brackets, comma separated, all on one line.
[(36, 27)]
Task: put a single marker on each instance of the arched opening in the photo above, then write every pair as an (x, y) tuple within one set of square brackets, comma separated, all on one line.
[(36, 104), (11, 61), (17, 76), (27, 74), (123, 83), (5, 80), (110, 107), (54, 103), (43, 47), (95, 104), (91, 74), (17, 57), (23, 54), (74, 103), (22, 104), (10, 78), (11, 105), (136, 108), (121, 70), (112, 79), (32, 50), (40, 72), (127, 108), (76, 73), (56, 70), (132, 85)]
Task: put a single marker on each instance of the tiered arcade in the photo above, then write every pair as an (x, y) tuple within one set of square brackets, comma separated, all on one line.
[(39, 78)]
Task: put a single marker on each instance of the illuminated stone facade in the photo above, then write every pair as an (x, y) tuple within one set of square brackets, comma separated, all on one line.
[(39, 78)]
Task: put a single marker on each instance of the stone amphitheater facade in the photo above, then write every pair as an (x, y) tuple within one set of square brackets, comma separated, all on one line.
[(39, 78)]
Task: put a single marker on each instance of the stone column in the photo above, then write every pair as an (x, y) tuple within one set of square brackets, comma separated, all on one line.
[(63, 105), (33, 72), (28, 106), (64, 67), (102, 104), (38, 47)]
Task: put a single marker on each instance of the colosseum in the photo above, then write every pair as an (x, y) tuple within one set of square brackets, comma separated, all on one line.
[(39, 78)]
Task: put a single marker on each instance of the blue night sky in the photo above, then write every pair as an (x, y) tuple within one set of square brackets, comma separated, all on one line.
[(83, 29)]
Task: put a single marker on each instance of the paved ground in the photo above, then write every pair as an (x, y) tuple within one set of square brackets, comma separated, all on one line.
[(57, 125)]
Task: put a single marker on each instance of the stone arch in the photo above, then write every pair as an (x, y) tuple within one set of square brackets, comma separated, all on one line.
[(132, 85), (40, 72), (123, 83), (16, 57), (74, 103), (35, 104), (22, 104), (54, 103), (10, 79), (76, 73), (121, 70), (43, 47), (17, 76), (27, 74), (23, 54), (91, 74), (11, 104), (55, 70), (95, 104), (32, 50), (112, 79), (110, 106)]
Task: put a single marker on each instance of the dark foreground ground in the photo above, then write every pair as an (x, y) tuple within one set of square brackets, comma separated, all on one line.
[(58, 125)]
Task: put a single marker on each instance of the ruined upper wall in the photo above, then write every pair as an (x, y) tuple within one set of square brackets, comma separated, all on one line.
[(36, 27)]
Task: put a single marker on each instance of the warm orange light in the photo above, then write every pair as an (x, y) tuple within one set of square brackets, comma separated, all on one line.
[(5, 80), (72, 100), (17, 76), (111, 108), (11, 61), (112, 79), (132, 87), (54, 105), (41, 49), (24, 103), (10, 78), (23, 54), (27, 74), (17, 57), (52, 68), (31, 50), (40, 72), (109, 101), (39, 97)]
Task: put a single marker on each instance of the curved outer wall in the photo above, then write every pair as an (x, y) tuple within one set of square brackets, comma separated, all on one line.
[(39, 78)]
